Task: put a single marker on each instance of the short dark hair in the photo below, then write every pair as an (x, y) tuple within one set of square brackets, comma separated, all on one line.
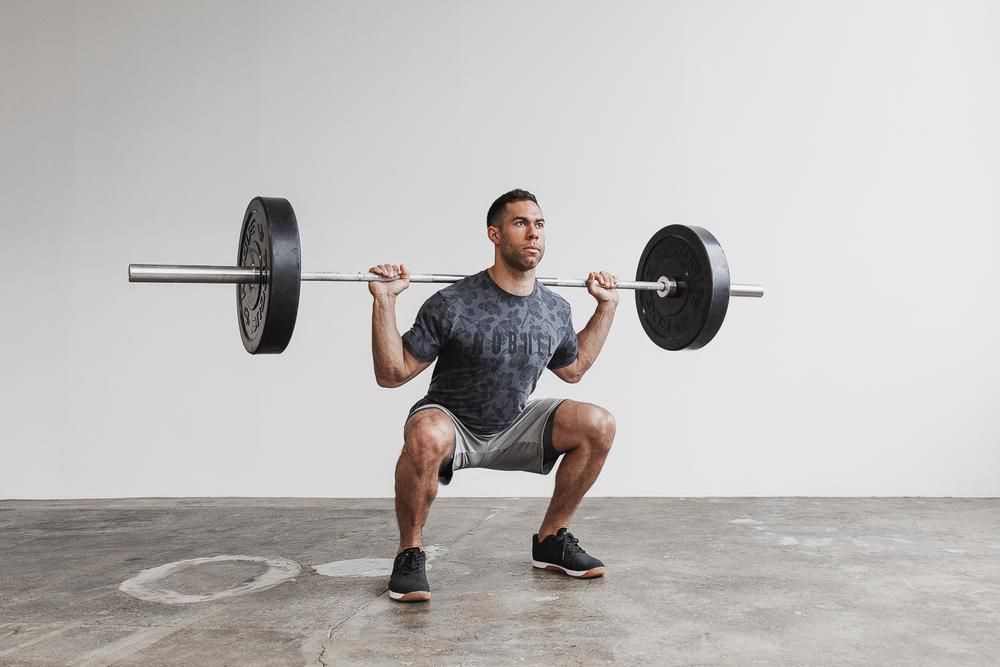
[(496, 208)]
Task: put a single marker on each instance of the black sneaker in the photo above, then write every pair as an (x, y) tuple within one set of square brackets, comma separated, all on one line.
[(562, 553), (408, 582)]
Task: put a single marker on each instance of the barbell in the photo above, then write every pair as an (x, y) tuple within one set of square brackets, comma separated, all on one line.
[(681, 285)]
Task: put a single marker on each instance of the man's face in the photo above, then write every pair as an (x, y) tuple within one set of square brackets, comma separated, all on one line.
[(521, 235)]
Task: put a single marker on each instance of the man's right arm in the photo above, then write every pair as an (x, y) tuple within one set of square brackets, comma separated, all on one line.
[(394, 365)]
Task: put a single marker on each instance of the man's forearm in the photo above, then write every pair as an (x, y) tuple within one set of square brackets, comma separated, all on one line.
[(387, 345), (591, 338)]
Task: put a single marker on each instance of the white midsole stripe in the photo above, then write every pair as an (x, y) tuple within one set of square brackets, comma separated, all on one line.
[(573, 573)]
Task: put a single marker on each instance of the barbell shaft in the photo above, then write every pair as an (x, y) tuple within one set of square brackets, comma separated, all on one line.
[(453, 278), (175, 273)]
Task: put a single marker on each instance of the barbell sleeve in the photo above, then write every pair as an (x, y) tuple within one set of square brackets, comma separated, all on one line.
[(178, 273)]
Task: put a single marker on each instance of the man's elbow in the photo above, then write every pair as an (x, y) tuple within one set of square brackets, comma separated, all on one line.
[(578, 370), (571, 374), (388, 380)]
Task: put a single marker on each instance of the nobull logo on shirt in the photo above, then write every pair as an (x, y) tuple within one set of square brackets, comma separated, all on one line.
[(511, 343)]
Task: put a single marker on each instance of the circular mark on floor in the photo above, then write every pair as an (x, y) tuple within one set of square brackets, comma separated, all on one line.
[(371, 567), (150, 585), (358, 567)]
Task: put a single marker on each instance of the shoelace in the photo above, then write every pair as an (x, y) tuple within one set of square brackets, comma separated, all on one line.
[(410, 562), (571, 545)]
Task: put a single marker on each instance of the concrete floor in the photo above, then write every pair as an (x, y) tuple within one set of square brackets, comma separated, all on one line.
[(706, 581)]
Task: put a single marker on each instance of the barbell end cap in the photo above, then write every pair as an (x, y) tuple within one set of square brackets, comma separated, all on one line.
[(665, 287)]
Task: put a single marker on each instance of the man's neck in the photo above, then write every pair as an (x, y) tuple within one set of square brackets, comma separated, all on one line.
[(518, 283)]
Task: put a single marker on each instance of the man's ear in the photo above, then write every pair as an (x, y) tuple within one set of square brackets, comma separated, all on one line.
[(494, 234)]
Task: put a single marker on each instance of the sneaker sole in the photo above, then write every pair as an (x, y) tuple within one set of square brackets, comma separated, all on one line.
[(412, 596), (579, 574)]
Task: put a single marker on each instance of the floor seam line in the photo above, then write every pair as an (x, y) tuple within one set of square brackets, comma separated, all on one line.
[(333, 628)]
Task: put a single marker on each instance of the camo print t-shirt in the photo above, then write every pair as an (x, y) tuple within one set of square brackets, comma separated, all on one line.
[(491, 347)]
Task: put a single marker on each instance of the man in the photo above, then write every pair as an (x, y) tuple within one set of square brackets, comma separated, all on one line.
[(493, 334)]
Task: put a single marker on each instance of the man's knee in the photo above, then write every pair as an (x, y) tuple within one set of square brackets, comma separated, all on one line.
[(583, 425), (429, 437), (599, 424)]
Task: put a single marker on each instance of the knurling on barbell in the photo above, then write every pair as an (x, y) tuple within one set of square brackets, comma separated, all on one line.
[(682, 285)]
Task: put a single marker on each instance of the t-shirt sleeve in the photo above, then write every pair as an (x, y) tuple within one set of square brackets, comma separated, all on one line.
[(568, 348), (430, 330)]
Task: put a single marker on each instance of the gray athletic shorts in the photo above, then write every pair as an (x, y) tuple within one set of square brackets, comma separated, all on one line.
[(524, 445)]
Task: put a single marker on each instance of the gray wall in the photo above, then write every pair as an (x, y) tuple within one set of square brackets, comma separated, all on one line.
[(846, 154)]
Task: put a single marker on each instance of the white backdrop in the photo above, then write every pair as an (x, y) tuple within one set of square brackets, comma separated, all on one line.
[(847, 156)]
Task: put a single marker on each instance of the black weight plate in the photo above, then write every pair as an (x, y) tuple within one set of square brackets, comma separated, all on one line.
[(694, 258), (269, 240)]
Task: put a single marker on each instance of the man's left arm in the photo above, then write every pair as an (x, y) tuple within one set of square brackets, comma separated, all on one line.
[(602, 286)]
